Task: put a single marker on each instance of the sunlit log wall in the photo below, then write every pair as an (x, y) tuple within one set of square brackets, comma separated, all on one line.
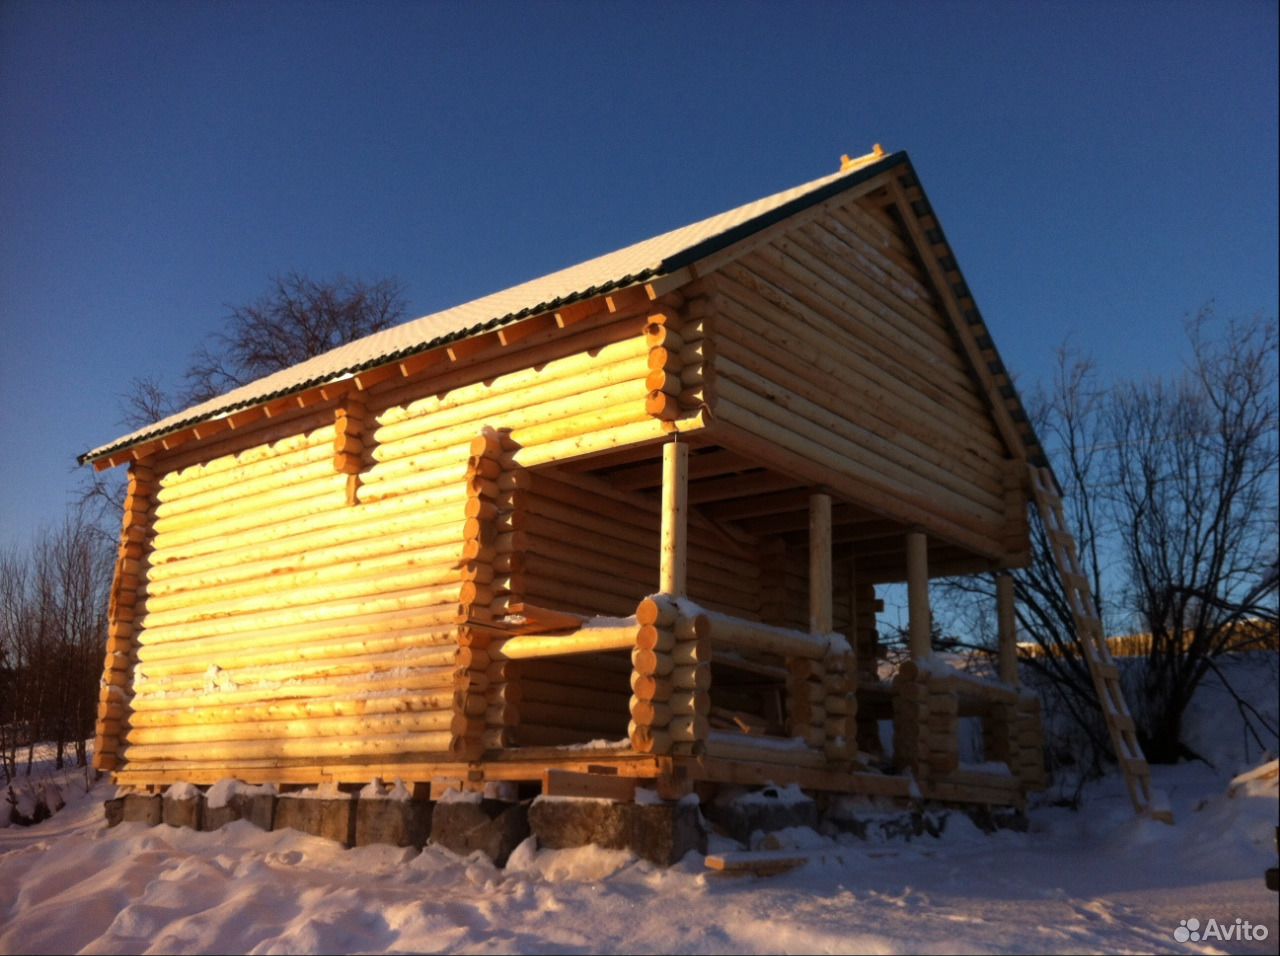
[(828, 344), (291, 613)]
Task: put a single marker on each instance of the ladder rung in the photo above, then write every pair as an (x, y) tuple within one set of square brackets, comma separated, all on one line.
[(1135, 767), (1084, 611), (1107, 671)]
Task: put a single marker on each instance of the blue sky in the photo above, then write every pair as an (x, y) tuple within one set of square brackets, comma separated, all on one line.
[(1102, 169)]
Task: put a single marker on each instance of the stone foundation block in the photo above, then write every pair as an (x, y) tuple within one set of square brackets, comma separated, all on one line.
[(661, 833), (333, 819), (397, 822), (258, 809), (184, 813), (493, 827), (762, 811), (143, 808)]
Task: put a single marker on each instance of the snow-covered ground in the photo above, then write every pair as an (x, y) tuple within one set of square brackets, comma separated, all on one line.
[(1095, 880)]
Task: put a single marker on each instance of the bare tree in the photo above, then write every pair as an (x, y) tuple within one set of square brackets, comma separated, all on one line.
[(1193, 496), (297, 319), (1068, 413), (1170, 489), (53, 599)]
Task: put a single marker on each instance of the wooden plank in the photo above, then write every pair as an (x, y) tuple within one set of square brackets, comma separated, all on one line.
[(820, 597), (759, 862), (920, 618), (595, 786)]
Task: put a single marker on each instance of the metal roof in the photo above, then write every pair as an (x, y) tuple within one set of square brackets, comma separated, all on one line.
[(641, 262)]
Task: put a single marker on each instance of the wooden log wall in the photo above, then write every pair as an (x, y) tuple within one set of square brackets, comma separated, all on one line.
[(829, 344), (679, 344), (927, 709), (291, 613), (128, 591), (1014, 735), (593, 549), (484, 708), (670, 680)]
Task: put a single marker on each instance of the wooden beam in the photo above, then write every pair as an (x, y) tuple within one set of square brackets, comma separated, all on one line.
[(464, 349), (577, 311), (738, 486), (624, 300), (1007, 619), (674, 575), (707, 464), (820, 607), (383, 373), (919, 625), (511, 334)]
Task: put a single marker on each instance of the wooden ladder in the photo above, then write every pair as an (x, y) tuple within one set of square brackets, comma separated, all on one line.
[(1102, 666)]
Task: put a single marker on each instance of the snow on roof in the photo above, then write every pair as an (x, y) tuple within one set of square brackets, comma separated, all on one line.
[(640, 262)]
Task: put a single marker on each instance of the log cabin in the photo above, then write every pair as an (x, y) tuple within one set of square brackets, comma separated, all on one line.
[(626, 519)]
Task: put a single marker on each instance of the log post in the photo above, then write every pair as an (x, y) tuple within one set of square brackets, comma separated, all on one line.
[(128, 595), (1008, 648), (820, 613), (919, 624), (673, 579)]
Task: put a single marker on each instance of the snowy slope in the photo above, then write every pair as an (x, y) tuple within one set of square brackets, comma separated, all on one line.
[(1096, 880)]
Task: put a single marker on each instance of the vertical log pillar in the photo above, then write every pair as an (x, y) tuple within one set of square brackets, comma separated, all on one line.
[(820, 608), (919, 622), (128, 592), (484, 708), (674, 572), (1008, 647)]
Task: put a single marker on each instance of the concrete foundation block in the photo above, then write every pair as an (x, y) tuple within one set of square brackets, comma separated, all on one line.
[(763, 811), (143, 808), (661, 833), (113, 810), (397, 822), (258, 809), (184, 813), (493, 827), (333, 819)]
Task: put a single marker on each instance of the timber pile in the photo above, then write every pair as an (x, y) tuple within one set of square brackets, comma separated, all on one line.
[(670, 680), (127, 588)]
